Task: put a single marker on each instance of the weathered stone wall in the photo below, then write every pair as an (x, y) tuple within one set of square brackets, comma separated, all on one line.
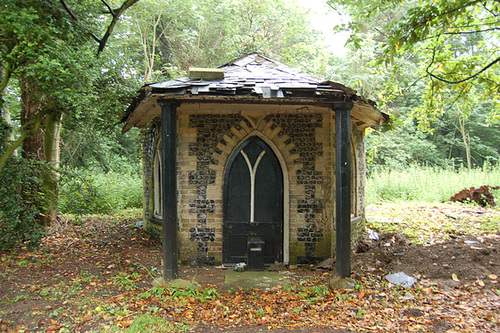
[(358, 184), (302, 141), (149, 140)]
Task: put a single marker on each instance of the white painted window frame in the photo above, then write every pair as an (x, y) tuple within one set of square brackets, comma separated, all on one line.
[(253, 171), (157, 188)]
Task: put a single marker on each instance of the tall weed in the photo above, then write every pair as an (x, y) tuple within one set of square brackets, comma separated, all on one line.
[(85, 192), (427, 184)]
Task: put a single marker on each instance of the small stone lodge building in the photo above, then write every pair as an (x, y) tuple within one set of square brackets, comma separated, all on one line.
[(251, 158)]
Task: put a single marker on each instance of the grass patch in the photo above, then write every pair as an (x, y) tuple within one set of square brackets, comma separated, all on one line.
[(427, 184), (147, 323), (126, 281), (85, 192)]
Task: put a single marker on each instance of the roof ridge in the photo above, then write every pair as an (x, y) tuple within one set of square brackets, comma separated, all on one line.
[(251, 56)]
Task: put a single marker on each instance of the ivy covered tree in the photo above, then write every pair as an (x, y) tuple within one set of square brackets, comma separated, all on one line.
[(49, 49)]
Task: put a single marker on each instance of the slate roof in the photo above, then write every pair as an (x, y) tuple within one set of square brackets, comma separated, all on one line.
[(251, 78), (255, 75)]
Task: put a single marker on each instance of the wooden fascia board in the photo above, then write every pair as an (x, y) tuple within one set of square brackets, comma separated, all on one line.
[(363, 115), (366, 116), (250, 100), (146, 110)]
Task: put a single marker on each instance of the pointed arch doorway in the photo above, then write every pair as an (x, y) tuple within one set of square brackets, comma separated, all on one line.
[(253, 202)]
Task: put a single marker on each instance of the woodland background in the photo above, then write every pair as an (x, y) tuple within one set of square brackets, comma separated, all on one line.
[(68, 71)]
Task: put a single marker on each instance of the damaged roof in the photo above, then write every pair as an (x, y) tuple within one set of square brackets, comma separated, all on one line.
[(255, 75), (249, 79)]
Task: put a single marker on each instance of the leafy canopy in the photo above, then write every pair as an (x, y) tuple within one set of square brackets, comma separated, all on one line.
[(180, 34), (454, 42)]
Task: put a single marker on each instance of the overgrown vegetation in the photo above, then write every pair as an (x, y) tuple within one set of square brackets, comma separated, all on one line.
[(425, 183), (21, 203), (85, 192)]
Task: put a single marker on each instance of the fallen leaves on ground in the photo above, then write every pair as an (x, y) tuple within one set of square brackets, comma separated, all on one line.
[(95, 275), (374, 306)]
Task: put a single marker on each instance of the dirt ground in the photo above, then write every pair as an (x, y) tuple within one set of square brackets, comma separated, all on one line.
[(470, 258), (100, 261)]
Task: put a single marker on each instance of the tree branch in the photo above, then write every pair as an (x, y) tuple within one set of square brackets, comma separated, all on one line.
[(68, 10), (74, 152), (463, 80), (461, 33), (455, 100), (74, 17), (12, 147), (489, 10), (116, 16), (381, 32), (459, 7), (111, 11), (433, 16), (6, 76), (114, 13)]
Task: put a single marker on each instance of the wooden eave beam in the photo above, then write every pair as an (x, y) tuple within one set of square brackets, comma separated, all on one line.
[(367, 115), (148, 108)]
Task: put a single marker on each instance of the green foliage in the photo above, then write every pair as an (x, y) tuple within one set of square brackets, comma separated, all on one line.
[(451, 44), (401, 147), (80, 194), (391, 61), (150, 323), (450, 138), (110, 152), (126, 281), (44, 45), (187, 33), (207, 294), (21, 204), (427, 184), (49, 46), (84, 192)]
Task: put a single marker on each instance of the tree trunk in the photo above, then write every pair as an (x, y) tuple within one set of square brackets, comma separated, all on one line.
[(6, 132), (52, 158), (33, 144), (31, 105), (466, 139), (6, 122)]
